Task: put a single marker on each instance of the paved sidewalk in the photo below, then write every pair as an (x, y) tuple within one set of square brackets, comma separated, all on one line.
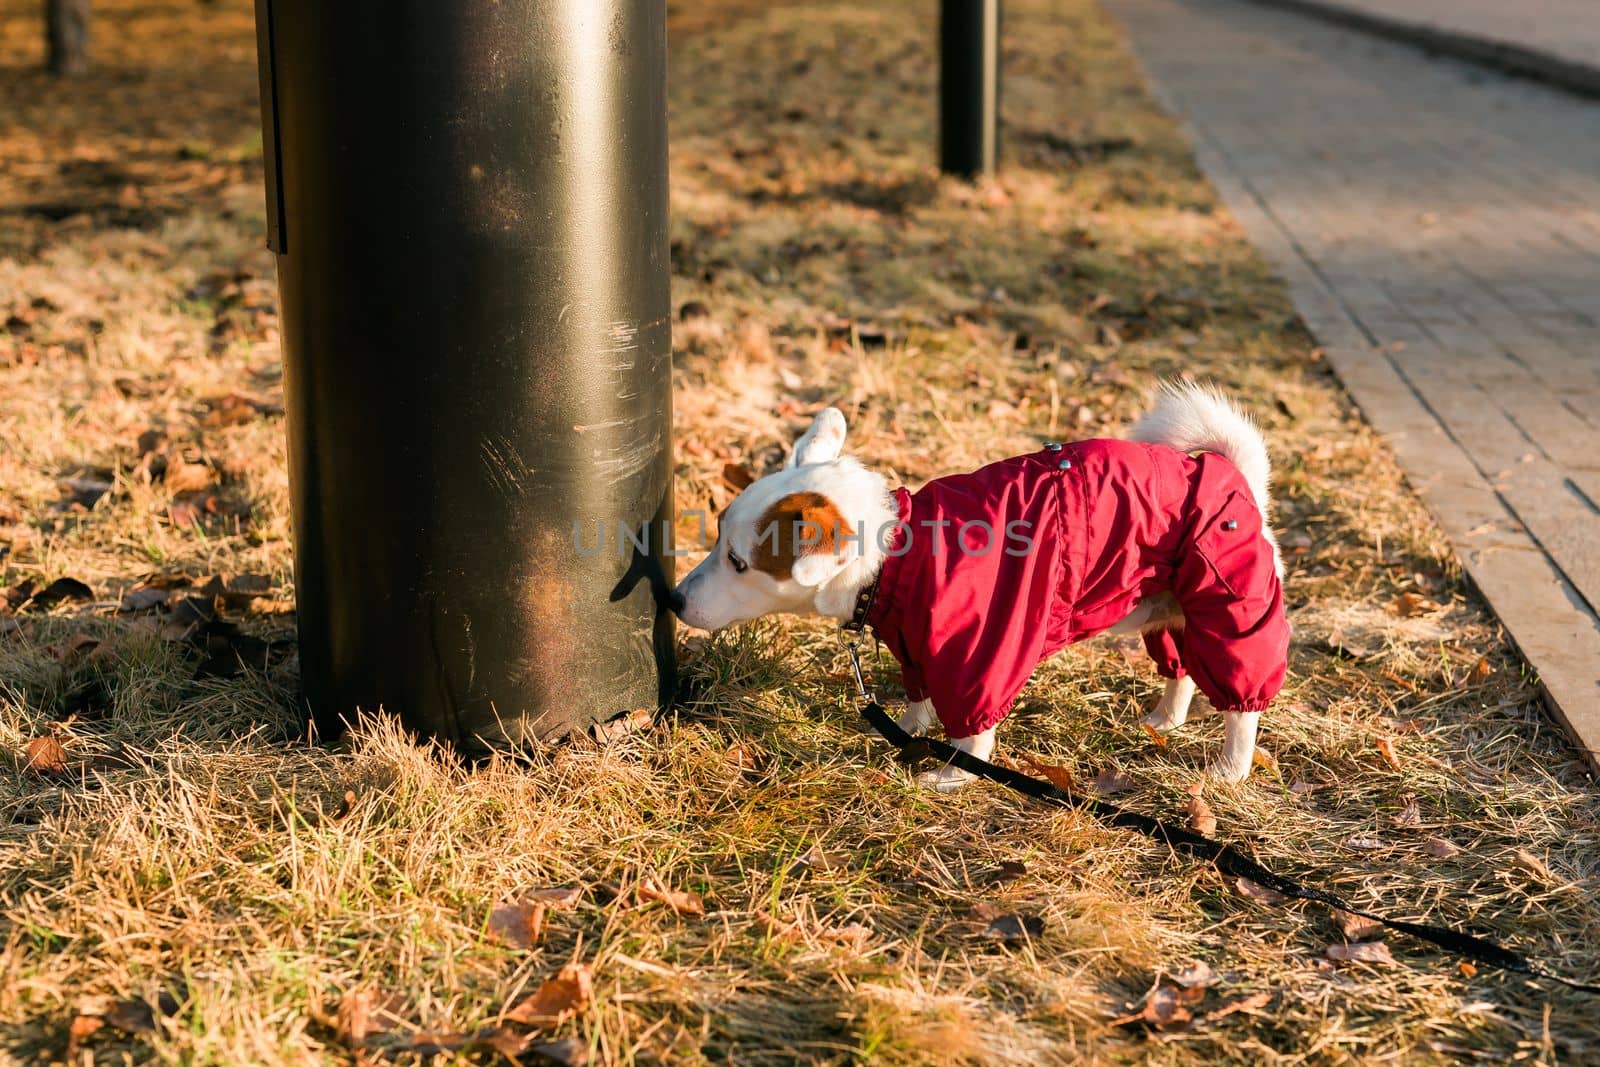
[(1440, 231), (1556, 41)]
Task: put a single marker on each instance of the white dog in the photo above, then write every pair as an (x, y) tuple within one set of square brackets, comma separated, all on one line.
[(975, 578)]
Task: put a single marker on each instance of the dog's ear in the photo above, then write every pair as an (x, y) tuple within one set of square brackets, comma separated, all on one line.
[(823, 442), (803, 537)]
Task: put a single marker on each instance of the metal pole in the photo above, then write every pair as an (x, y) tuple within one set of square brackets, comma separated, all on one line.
[(969, 86), (469, 205)]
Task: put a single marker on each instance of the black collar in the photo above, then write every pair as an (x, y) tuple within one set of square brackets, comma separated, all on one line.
[(864, 601)]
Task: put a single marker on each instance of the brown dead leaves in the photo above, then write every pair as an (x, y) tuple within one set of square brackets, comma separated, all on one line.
[(1174, 1008), (568, 993), (368, 1021), (624, 725), (1112, 781), (1057, 776), (28, 595), (1361, 952), (520, 923), (680, 902), (45, 756), (1001, 924), (1255, 891), (1202, 820), (129, 1016)]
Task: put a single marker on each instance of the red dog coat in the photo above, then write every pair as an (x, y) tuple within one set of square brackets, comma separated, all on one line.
[(990, 572)]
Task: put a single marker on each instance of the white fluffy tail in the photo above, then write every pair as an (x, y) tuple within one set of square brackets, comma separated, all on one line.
[(1198, 418)]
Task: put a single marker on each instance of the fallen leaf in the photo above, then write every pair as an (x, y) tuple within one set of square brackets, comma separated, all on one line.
[(1410, 603), (519, 924), (1467, 969), (82, 1027), (1533, 864), (853, 936), (558, 999), (132, 1016), (1366, 844), (1163, 1009), (1300, 786), (1004, 925), (560, 896), (1401, 726), (737, 476), (1059, 777), (77, 647), (1480, 670), (1008, 870), (741, 759), (45, 756), (1439, 848), (1196, 975), (233, 410), (1410, 814), (59, 590), (184, 477), (192, 508), (1361, 952), (143, 598), (629, 722), (1202, 820), (681, 902), (1252, 1003), (1256, 891), (82, 493), (1157, 738), (1354, 927), (815, 859), (1112, 781), (1265, 760), (353, 1021), (1385, 747), (1342, 647)]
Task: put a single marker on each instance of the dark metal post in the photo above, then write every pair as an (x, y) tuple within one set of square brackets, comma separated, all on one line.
[(969, 86), (469, 205)]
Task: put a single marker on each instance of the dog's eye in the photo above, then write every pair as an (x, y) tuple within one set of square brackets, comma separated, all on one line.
[(738, 564)]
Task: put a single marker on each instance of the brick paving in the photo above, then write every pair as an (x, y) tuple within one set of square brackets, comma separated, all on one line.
[(1566, 30), (1439, 227)]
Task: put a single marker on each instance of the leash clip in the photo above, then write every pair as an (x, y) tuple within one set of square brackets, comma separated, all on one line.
[(851, 640)]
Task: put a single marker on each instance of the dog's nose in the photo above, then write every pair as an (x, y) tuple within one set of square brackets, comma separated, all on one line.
[(676, 601)]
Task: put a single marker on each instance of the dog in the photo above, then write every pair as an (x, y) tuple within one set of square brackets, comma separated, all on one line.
[(976, 578)]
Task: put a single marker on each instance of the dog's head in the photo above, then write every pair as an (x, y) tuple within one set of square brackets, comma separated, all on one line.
[(785, 537)]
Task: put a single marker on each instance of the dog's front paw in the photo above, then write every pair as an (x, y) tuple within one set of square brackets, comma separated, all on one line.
[(919, 718), (1223, 770), (946, 779)]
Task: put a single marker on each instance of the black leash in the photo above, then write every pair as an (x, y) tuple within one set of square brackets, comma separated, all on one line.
[(1227, 858)]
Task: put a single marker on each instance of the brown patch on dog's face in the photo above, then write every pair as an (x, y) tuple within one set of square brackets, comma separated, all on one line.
[(794, 526)]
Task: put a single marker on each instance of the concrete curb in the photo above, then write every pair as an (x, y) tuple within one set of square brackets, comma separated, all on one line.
[(1504, 56)]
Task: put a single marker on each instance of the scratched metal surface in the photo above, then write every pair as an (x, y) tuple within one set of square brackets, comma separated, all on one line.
[(477, 349)]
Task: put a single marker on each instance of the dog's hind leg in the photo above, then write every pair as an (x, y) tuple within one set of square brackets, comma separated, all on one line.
[(1172, 710), (947, 779), (1238, 746)]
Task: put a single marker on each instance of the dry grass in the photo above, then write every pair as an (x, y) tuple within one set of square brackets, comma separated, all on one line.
[(198, 849)]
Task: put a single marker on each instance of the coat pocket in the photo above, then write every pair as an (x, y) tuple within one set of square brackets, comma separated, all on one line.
[(1231, 542)]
